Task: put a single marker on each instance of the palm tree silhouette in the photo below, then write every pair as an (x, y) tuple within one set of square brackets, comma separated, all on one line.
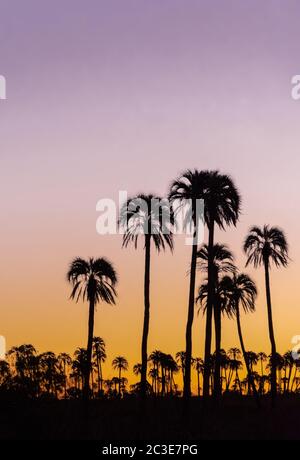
[(120, 364), (221, 207), (137, 369), (222, 262), (100, 357), (65, 360), (188, 189), (242, 293), (262, 357), (198, 365), (235, 363), (180, 359), (93, 280), (264, 246), (149, 216)]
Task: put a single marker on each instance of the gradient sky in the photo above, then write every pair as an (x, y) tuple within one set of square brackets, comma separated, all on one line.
[(116, 95)]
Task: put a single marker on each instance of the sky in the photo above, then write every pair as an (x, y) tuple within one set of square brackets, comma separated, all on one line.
[(116, 95)]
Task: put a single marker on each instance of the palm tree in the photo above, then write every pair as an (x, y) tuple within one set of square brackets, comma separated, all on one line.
[(262, 357), (198, 365), (222, 261), (188, 189), (171, 369), (289, 363), (265, 246), (65, 360), (180, 359), (137, 369), (149, 216), (221, 207), (93, 280), (242, 293), (100, 356), (235, 363), (121, 364)]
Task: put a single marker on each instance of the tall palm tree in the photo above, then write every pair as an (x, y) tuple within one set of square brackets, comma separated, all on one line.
[(120, 364), (264, 246), (93, 280), (221, 207), (188, 189), (222, 262), (100, 357), (242, 293), (150, 217)]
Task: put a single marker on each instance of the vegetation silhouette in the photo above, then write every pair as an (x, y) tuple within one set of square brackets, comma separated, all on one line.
[(151, 217), (239, 377), (93, 280), (265, 246)]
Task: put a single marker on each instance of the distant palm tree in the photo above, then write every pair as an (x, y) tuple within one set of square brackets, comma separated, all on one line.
[(93, 280), (153, 374), (265, 246), (262, 357), (235, 363), (137, 369), (149, 216), (198, 365), (171, 369), (65, 360), (79, 365), (100, 357), (121, 364), (289, 363), (222, 261), (180, 359), (242, 293)]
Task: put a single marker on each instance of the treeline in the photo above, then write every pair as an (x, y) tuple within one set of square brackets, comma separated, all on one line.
[(27, 373)]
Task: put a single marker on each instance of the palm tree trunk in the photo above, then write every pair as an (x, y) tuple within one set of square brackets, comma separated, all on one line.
[(217, 379), (98, 372), (89, 350), (209, 310), (271, 333), (198, 382), (190, 319), (120, 382), (65, 380), (146, 315), (250, 376), (101, 376)]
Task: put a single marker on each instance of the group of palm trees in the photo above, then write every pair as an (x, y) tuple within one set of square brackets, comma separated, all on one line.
[(27, 373), (225, 291)]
